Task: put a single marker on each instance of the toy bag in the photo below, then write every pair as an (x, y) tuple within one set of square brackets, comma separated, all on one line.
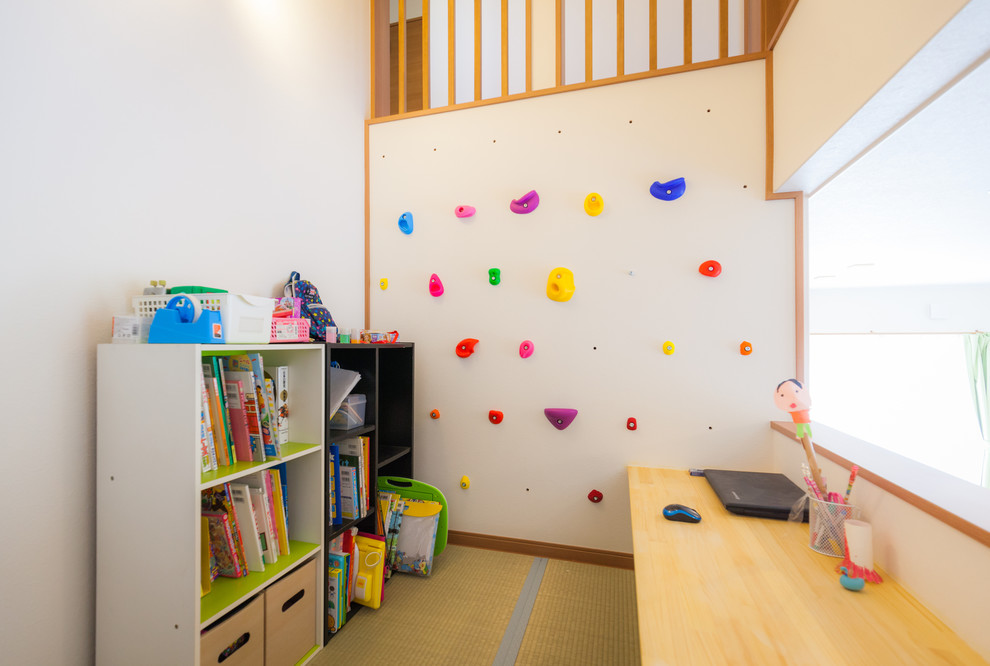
[(312, 307), (417, 537)]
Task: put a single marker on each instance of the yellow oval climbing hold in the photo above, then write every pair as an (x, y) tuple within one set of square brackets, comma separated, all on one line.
[(593, 204), (383, 283), (668, 348), (465, 482)]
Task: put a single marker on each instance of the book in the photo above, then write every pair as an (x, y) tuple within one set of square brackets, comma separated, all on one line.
[(205, 577), (352, 455), (280, 522), (222, 542), (218, 498), (348, 492), (249, 401), (266, 481), (206, 448), (268, 546), (222, 390), (335, 580), (336, 517), (216, 416), (255, 364), (276, 446), (284, 481), (240, 430), (241, 497), (280, 379)]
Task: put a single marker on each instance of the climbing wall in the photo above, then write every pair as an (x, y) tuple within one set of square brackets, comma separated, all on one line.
[(665, 292)]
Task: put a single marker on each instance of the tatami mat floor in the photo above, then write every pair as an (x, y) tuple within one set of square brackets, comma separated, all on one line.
[(460, 614)]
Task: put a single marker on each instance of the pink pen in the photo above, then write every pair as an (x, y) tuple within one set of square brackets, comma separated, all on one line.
[(852, 478)]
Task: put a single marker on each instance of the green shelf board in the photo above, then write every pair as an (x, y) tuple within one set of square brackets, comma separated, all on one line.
[(223, 474), (226, 593)]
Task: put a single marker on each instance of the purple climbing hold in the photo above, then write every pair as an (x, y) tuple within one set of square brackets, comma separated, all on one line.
[(527, 203), (560, 417)]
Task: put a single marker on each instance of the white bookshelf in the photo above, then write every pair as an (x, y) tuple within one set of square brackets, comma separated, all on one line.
[(149, 479)]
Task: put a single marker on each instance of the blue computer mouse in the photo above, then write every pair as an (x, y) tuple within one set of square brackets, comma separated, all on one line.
[(681, 513)]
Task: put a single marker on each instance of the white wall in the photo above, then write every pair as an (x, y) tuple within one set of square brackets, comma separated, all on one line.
[(961, 308), (848, 51), (215, 143), (943, 568), (600, 352)]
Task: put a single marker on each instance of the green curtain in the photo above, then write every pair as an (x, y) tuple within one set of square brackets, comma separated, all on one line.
[(978, 368)]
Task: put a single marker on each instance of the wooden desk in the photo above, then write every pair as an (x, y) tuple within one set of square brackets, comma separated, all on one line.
[(739, 590)]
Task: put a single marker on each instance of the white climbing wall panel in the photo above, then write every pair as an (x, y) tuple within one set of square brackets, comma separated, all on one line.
[(637, 285)]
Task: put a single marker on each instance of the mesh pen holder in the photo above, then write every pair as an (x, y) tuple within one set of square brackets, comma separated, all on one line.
[(827, 525)]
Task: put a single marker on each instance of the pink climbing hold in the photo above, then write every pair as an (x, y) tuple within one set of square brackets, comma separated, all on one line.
[(436, 286), (560, 417), (464, 211), (527, 203), (526, 349)]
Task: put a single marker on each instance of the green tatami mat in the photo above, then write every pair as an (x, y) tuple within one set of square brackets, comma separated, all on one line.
[(456, 616), (583, 614)]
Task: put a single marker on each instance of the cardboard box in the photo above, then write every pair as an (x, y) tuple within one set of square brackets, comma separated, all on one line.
[(238, 640), (290, 616)]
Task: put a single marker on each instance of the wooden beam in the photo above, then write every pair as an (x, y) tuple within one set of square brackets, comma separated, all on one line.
[(588, 40), (402, 56), (477, 50), (688, 33), (505, 48), (723, 28), (653, 34), (451, 54), (620, 37), (426, 54)]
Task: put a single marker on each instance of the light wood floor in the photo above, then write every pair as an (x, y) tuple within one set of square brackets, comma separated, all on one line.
[(582, 614)]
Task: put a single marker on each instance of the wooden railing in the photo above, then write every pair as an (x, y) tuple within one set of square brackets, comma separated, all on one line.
[(540, 48)]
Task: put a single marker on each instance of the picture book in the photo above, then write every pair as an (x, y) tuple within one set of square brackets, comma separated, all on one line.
[(216, 417), (280, 378), (348, 492), (276, 446), (222, 542), (240, 431), (352, 455), (335, 579), (241, 497), (206, 446), (249, 401), (205, 578), (222, 391), (342, 561), (280, 524), (218, 498), (269, 550), (255, 364), (336, 517), (266, 480), (284, 482)]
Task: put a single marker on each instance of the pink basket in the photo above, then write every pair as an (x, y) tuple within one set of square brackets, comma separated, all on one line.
[(288, 329)]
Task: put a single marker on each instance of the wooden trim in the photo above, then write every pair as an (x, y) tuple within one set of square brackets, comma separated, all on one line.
[(653, 34), (380, 66), (723, 28), (753, 21), (772, 42), (402, 56), (588, 40), (560, 42), (688, 32), (638, 76), (529, 45), (975, 532), (505, 47), (451, 54), (367, 225), (477, 49), (620, 37), (768, 91), (606, 558), (426, 54)]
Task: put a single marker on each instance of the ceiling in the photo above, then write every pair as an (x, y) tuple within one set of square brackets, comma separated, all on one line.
[(914, 210)]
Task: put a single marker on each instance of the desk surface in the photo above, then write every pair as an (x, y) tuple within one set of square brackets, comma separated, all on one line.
[(733, 589)]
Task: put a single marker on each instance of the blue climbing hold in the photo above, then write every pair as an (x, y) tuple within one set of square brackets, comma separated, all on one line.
[(406, 223), (672, 189)]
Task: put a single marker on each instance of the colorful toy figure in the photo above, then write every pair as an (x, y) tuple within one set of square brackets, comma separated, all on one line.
[(793, 398)]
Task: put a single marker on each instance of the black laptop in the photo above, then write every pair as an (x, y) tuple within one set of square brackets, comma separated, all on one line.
[(760, 494)]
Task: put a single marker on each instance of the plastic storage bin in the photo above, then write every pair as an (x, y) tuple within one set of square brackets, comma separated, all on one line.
[(290, 329), (246, 319), (290, 616), (351, 412), (237, 641)]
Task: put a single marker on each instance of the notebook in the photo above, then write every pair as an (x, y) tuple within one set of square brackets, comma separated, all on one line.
[(760, 494)]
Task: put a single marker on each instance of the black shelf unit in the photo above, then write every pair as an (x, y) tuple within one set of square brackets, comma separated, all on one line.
[(387, 381)]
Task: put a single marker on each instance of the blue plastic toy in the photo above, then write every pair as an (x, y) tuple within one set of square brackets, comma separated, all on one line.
[(183, 320), (850, 583), (672, 189)]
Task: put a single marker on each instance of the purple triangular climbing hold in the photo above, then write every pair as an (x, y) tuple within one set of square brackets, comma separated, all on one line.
[(559, 417)]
